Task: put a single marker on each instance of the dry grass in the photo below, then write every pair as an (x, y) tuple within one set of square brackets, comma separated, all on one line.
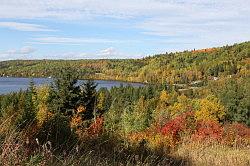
[(96, 151), (216, 154), (106, 150)]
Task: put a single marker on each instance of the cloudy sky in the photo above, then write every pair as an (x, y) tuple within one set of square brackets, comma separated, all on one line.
[(79, 29)]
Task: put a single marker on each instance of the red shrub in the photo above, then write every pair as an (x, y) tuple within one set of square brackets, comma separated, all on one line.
[(96, 127), (208, 130), (183, 124), (236, 134)]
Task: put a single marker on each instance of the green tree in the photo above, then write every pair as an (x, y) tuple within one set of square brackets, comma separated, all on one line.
[(236, 98), (88, 99), (64, 93), (29, 111), (136, 118)]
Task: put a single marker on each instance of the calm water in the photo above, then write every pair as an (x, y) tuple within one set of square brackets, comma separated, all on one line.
[(12, 84)]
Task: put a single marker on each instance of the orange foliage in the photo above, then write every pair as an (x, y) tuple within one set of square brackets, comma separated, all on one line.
[(236, 134), (206, 50), (96, 128)]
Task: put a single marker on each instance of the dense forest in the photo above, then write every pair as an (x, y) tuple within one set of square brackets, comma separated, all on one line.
[(174, 68), (194, 111)]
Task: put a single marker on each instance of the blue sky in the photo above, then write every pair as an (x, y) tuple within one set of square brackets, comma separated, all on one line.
[(93, 29)]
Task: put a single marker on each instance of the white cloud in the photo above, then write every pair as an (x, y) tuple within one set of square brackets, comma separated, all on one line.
[(26, 50), (108, 53), (23, 50), (24, 26), (202, 23), (201, 19), (74, 40), (112, 53), (22, 53), (85, 9), (79, 9)]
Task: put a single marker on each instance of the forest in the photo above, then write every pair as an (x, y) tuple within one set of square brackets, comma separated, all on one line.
[(194, 110), (173, 68)]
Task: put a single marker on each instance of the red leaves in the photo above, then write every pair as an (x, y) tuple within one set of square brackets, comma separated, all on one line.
[(208, 130), (236, 134), (180, 125), (205, 130), (96, 127)]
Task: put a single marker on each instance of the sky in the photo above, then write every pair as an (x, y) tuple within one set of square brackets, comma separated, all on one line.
[(101, 29)]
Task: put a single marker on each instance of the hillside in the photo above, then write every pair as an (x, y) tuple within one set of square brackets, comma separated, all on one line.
[(180, 67)]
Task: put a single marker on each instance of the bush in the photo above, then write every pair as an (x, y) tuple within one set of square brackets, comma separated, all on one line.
[(57, 130), (236, 134), (181, 125), (208, 130)]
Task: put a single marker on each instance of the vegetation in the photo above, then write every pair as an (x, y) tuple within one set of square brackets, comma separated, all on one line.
[(173, 68), (197, 112)]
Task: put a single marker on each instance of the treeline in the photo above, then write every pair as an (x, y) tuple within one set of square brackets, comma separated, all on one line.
[(173, 68)]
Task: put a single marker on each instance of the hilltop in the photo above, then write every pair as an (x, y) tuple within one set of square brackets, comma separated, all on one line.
[(175, 68)]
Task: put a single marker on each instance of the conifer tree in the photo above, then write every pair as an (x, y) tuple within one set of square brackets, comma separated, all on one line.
[(64, 93), (88, 99)]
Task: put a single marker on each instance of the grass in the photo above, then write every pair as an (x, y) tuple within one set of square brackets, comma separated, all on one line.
[(105, 150), (214, 154), (97, 151)]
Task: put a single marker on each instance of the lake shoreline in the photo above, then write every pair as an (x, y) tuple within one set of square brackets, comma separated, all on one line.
[(117, 80), (15, 84)]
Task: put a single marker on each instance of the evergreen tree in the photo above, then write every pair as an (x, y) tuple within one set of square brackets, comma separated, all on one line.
[(88, 99), (29, 110), (64, 93)]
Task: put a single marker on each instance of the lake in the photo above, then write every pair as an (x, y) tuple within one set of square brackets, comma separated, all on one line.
[(12, 84)]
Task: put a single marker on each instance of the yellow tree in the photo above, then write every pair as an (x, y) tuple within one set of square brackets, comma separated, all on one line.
[(161, 114), (182, 105), (210, 108), (42, 96), (101, 101)]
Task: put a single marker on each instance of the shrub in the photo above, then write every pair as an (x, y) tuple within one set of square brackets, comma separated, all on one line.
[(181, 125), (208, 130), (96, 127), (236, 134), (57, 130)]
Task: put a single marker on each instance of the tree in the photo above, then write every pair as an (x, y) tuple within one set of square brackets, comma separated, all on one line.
[(64, 93), (236, 96), (136, 118), (210, 108), (89, 99), (161, 114), (29, 110)]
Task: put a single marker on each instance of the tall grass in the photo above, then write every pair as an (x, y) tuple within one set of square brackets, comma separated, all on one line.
[(214, 154), (16, 149), (105, 149)]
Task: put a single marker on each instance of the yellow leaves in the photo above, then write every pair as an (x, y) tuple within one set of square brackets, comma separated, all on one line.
[(210, 109), (43, 115), (101, 101), (76, 121), (164, 96), (182, 99), (176, 109), (42, 94), (81, 109), (182, 105)]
